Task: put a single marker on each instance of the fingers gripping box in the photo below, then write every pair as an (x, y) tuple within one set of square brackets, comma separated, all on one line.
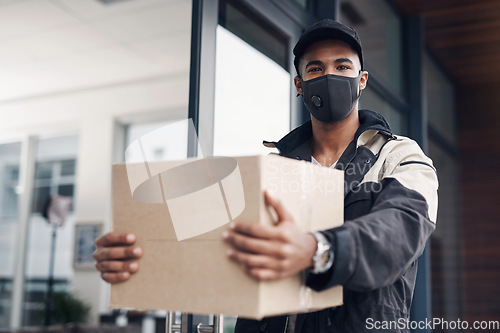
[(178, 211)]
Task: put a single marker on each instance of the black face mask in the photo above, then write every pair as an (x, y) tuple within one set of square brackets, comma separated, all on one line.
[(331, 97)]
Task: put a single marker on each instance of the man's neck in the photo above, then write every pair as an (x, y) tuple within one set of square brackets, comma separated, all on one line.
[(329, 140)]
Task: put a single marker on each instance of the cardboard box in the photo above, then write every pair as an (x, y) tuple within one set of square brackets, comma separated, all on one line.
[(178, 210)]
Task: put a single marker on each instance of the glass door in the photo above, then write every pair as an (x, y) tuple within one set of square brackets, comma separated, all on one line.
[(252, 82)]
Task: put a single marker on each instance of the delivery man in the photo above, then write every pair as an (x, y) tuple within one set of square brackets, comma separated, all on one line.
[(390, 203)]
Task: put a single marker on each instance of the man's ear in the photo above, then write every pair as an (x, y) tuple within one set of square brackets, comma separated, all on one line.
[(298, 84), (363, 81)]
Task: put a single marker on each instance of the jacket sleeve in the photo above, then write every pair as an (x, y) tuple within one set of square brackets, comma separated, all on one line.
[(374, 250)]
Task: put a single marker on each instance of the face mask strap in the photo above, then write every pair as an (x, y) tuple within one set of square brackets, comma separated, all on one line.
[(360, 91)]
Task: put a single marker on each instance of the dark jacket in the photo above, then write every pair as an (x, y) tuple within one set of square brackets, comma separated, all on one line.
[(390, 207)]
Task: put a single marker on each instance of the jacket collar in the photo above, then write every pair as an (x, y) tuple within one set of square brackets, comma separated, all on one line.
[(297, 143)]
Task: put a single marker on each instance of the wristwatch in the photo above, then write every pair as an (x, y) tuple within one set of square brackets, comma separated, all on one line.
[(323, 258)]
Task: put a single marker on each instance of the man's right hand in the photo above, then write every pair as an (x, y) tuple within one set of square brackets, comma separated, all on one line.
[(116, 256)]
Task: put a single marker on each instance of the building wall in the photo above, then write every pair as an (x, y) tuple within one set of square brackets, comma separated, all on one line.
[(479, 119)]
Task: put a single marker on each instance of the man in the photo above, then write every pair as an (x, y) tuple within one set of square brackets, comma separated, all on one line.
[(390, 202)]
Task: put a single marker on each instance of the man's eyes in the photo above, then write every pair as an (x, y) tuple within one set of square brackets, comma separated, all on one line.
[(314, 69), (319, 69)]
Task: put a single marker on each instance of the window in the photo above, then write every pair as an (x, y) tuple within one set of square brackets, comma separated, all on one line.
[(302, 3), (10, 154), (441, 101), (52, 178), (9, 196), (370, 100), (446, 243), (255, 31), (379, 28), (252, 98), (252, 85), (446, 239), (160, 141), (55, 174)]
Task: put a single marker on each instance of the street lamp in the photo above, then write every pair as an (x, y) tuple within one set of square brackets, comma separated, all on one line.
[(55, 212)]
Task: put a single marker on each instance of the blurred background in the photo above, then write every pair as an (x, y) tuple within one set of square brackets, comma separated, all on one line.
[(82, 79)]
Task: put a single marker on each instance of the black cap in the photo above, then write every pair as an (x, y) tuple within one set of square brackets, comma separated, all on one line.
[(327, 29)]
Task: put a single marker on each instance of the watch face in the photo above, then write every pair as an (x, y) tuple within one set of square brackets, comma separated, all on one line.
[(325, 256), (323, 259)]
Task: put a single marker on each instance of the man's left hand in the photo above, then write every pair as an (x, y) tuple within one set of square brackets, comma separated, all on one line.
[(271, 252)]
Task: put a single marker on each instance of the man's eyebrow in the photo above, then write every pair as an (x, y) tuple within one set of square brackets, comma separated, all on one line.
[(319, 62), (339, 60), (314, 62)]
